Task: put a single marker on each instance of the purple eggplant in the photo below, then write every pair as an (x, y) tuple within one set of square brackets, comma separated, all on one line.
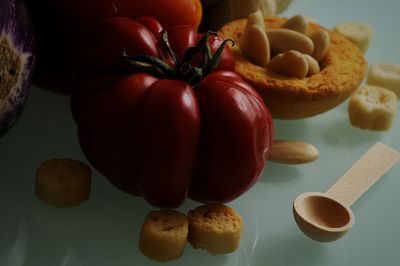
[(16, 61)]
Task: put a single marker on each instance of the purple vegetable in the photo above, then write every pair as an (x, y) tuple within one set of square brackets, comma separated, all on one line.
[(16, 61)]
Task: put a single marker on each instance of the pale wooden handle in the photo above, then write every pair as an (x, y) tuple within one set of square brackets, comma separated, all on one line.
[(364, 173)]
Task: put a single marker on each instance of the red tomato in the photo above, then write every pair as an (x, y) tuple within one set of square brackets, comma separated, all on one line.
[(164, 138), (61, 25)]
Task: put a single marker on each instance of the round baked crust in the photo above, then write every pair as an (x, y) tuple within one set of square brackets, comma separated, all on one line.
[(342, 70)]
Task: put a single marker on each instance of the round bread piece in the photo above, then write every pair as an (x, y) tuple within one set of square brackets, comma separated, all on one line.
[(372, 107), (163, 235), (63, 182), (216, 228), (342, 70)]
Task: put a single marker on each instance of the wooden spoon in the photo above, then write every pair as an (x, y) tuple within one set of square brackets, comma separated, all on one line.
[(327, 216)]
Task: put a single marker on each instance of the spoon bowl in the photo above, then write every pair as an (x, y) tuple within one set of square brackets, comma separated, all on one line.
[(321, 217)]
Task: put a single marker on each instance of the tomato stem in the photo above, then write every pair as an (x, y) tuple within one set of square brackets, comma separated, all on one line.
[(184, 70)]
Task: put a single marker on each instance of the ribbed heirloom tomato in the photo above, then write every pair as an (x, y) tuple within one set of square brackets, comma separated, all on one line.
[(61, 25), (164, 117)]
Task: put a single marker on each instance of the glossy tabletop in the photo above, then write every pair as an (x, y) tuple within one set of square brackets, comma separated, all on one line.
[(105, 230)]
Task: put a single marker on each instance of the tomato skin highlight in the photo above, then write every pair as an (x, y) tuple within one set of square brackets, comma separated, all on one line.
[(167, 139)]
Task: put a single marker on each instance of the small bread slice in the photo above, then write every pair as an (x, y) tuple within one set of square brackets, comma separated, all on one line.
[(372, 107), (63, 182), (216, 228), (163, 235)]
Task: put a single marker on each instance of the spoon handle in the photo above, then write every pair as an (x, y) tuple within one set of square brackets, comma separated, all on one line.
[(364, 173)]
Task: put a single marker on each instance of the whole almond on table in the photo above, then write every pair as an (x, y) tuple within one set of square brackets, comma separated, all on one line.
[(293, 152)]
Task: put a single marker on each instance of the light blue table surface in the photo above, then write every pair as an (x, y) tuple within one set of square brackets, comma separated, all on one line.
[(105, 230)]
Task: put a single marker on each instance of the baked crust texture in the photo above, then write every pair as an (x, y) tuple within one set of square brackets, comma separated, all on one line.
[(342, 71)]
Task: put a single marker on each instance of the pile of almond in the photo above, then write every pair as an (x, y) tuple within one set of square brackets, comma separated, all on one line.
[(290, 50)]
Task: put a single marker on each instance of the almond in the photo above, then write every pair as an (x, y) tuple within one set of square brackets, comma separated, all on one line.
[(293, 152), (297, 23), (255, 45), (282, 40), (291, 63)]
